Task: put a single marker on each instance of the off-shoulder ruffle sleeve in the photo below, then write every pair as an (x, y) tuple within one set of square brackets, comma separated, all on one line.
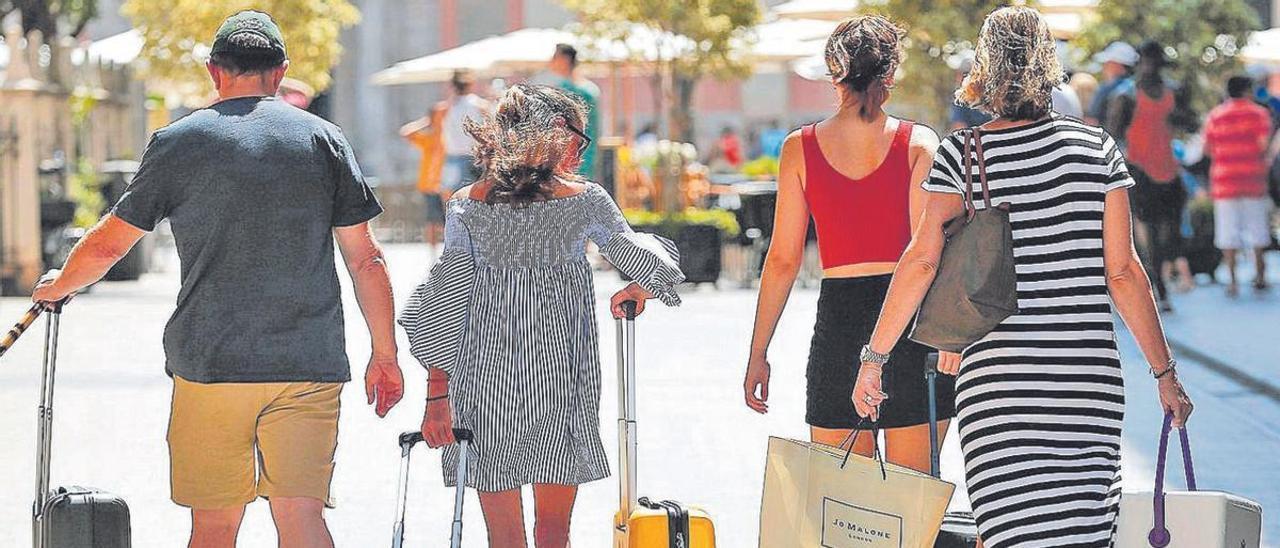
[(436, 315), (651, 260)]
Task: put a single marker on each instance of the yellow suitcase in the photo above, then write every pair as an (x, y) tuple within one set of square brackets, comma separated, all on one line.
[(643, 523)]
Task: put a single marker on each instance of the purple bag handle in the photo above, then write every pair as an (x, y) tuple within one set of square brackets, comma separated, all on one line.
[(1159, 536)]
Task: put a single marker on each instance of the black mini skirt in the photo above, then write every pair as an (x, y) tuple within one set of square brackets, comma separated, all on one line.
[(847, 313)]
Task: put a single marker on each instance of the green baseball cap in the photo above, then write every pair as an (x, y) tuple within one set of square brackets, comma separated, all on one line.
[(260, 33)]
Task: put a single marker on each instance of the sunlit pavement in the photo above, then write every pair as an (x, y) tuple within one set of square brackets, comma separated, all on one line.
[(698, 442)]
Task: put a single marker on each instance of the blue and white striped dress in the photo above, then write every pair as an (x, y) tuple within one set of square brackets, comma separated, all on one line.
[(508, 312), (1040, 400)]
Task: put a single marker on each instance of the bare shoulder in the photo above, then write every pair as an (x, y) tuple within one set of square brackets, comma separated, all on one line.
[(568, 188), (924, 139), (466, 191), (792, 148)]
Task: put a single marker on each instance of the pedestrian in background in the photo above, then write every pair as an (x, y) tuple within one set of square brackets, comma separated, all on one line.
[(427, 135), (726, 155), (1117, 60), (256, 192), (858, 174), (1143, 113), (1039, 400), (1236, 136), (505, 322), (460, 167), (563, 70), (963, 116)]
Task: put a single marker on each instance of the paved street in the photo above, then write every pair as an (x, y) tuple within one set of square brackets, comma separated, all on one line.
[(698, 442)]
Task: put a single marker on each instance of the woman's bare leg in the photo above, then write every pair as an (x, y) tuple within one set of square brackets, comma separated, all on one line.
[(504, 518), (834, 437), (909, 446), (552, 510)]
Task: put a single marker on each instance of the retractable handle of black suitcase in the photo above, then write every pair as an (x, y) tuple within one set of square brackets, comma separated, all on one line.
[(44, 414), (409, 439), (627, 408), (931, 376)]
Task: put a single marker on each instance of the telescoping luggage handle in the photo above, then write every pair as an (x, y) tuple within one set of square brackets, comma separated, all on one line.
[(44, 414), (931, 378), (1159, 536), (409, 439), (627, 409)]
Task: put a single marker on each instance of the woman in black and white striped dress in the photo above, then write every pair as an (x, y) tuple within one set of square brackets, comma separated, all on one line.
[(1040, 400), (505, 322)]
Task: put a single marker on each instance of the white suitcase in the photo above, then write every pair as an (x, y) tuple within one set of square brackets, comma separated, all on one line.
[(1186, 519)]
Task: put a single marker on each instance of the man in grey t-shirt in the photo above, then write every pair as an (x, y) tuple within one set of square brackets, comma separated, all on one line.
[(256, 191)]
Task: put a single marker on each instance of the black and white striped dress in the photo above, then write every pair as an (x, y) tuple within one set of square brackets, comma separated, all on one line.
[(1040, 400), (508, 312)]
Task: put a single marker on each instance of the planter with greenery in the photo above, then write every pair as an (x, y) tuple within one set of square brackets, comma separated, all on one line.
[(699, 233)]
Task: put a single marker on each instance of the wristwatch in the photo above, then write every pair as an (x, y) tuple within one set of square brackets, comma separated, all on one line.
[(871, 356)]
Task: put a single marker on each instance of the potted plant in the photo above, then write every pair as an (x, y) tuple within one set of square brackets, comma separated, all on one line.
[(698, 232)]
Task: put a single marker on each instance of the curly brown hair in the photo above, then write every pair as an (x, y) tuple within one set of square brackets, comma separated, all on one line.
[(523, 146), (862, 54), (1015, 66)]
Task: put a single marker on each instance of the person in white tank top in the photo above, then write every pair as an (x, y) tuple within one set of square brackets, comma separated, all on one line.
[(459, 165)]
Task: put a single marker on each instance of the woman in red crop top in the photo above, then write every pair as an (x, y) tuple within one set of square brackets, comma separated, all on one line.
[(859, 174)]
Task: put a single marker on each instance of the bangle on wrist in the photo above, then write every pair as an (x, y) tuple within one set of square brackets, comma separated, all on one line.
[(1168, 368), (444, 396)]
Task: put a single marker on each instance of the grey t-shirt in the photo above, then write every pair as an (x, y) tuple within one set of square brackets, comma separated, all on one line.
[(253, 188)]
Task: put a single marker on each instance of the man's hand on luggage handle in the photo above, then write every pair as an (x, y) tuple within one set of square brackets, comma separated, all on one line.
[(755, 388), (437, 424), (383, 384), (867, 392), (632, 292), (46, 290), (948, 363)]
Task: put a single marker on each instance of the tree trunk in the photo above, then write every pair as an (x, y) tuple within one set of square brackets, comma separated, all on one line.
[(682, 108)]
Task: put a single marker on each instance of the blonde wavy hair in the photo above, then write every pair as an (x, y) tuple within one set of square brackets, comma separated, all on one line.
[(525, 146), (1015, 66)]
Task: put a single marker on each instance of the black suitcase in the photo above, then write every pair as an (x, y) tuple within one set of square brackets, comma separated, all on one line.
[(66, 517), (959, 529), (409, 439), (1203, 257)]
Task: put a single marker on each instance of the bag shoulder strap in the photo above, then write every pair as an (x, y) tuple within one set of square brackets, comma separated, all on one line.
[(972, 148)]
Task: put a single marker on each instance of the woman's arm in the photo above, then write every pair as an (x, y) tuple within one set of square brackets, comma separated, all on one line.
[(1131, 292), (781, 266), (911, 281)]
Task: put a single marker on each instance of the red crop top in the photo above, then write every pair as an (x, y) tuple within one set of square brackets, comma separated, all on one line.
[(863, 220)]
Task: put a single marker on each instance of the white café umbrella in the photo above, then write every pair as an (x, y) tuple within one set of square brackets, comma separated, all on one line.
[(528, 47), (831, 10), (784, 40), (1263, 48)]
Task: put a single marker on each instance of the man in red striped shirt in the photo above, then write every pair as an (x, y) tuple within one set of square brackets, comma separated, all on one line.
[(1236, 135)]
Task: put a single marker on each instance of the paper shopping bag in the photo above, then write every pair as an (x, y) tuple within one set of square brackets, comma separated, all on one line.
[(812, 501)]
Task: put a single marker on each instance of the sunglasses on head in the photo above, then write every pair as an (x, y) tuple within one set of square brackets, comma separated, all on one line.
[(584, 142)]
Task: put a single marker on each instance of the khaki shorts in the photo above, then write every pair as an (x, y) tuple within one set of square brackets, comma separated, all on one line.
[(230, 443)]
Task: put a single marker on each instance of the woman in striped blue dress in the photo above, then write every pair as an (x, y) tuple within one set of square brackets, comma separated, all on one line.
[(505, 321), (1040, 400)]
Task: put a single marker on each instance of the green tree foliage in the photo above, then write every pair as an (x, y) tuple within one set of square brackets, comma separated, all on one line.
[(709, 36), (939, 33), (1203, 37), (178, 33)]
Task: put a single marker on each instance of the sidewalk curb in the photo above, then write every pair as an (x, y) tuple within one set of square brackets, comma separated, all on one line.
[(1255, 384)]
